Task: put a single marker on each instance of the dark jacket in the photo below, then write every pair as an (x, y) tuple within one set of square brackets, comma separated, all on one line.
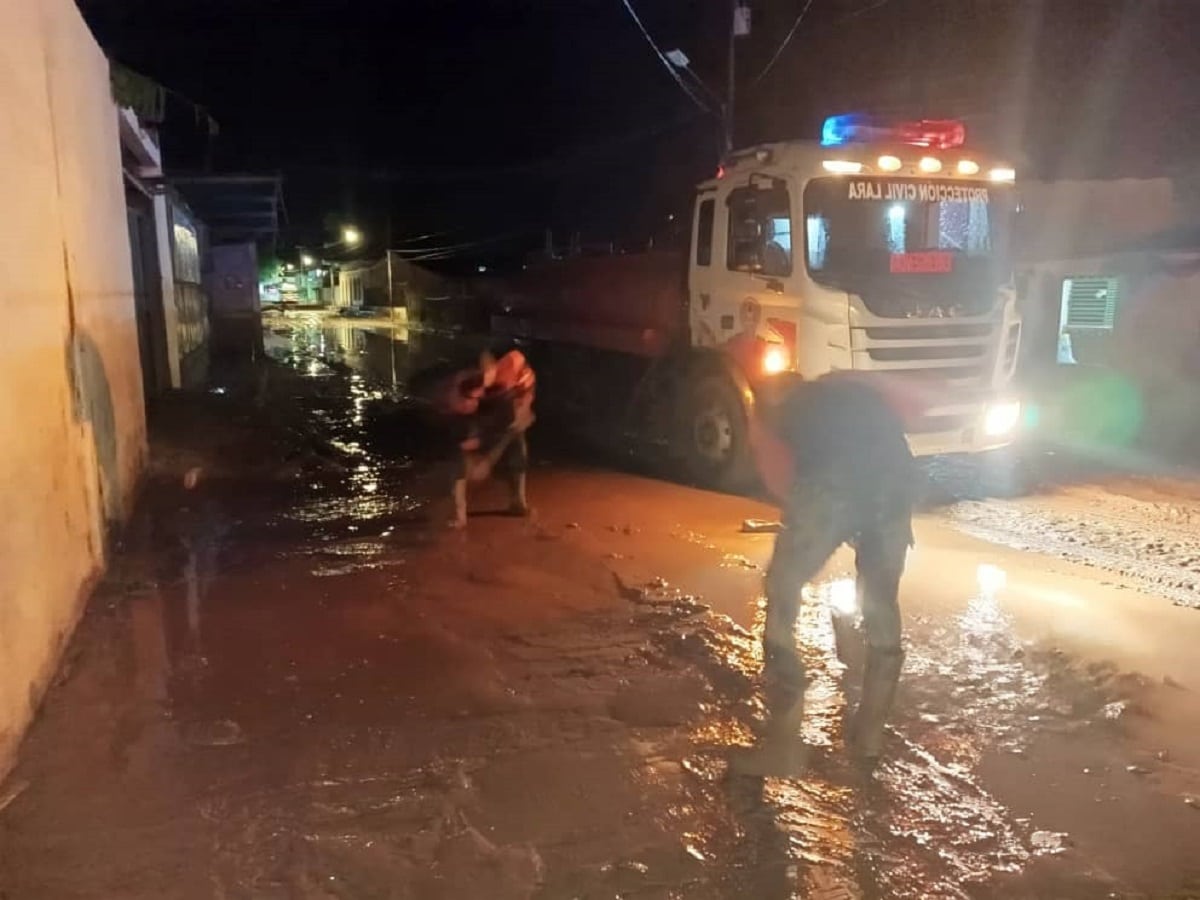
[(838, 430)]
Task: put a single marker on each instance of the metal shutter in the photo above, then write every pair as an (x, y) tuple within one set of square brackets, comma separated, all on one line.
[(1091, 302)]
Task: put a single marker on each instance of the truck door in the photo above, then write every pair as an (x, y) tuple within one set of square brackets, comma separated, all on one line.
[(741, 268)]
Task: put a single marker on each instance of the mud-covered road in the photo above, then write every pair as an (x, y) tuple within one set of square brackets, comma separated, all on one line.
[(293, 684)]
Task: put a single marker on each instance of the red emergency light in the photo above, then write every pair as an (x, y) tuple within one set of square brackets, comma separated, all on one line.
[(936, 134)]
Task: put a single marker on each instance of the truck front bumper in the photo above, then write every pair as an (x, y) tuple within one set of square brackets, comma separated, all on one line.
[(967, 428)]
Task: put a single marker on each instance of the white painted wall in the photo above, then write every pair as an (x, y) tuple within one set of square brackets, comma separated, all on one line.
[(71, 406)]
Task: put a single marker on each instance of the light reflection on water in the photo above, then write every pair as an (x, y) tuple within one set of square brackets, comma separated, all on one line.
[(928, 828), (932, 830), (375, 357)]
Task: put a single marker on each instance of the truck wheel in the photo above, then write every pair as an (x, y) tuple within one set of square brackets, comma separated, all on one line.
[(715, 437), (1006, 474)]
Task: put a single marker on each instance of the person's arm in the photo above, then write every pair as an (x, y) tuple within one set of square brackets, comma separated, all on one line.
[(772, 457)]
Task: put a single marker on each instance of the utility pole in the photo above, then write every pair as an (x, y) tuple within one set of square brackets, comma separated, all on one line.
[(734, 14), (739, 26), (388, 251)]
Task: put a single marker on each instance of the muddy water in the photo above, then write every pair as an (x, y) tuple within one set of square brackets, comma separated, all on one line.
[(306, 689)]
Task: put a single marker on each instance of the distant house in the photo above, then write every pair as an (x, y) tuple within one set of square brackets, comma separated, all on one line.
[(361, 284), (1109, 276), (242, 213)]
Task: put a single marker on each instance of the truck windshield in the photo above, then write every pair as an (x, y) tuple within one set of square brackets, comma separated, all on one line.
[(864, 232)]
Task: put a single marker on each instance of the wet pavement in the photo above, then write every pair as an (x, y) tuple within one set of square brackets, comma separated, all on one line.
[(296, 683)]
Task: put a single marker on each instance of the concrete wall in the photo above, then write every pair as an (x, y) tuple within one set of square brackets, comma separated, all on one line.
[(231, 282), (1079, 219), (71, 410), (1135, 383)]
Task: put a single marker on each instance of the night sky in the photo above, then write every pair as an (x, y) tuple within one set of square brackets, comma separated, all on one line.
[(488, 119)]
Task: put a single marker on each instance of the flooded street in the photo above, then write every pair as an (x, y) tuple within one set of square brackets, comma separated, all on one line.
[(296, 683)]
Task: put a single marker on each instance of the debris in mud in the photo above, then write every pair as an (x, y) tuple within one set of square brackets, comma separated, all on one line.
[(737, 561), (466, 859), (629, 594), (1137, 770), (222, 733), (761, 526), (1193, 802), (632, 866), (1115, 710), (1046, 843), (12, 792)]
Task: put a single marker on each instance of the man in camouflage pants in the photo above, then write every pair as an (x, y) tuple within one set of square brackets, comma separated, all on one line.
[(851, 482)]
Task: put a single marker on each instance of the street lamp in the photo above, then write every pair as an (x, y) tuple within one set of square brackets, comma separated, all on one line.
[(306, 260), (351, 236), (680, 60)]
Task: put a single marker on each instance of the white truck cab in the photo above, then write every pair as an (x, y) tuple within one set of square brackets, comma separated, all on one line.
[(881, 248)]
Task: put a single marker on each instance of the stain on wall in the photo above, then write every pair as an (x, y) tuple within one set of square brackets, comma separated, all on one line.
[(72, 410)]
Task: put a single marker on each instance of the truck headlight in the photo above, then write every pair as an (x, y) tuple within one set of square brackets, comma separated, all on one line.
[(1001, 418)]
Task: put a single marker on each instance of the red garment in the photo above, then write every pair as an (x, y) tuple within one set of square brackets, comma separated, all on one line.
[(514, 375)]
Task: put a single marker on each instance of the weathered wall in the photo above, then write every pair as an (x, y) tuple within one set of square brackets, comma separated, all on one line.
[(1079, 219), (71, 410), (231, 282)]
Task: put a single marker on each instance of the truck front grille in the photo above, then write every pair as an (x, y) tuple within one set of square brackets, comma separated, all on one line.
[(899, 354), (962, 352)]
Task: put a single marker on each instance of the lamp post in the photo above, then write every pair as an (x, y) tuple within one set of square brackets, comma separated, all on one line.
[(350, 236), (680, 60), (739, 26)]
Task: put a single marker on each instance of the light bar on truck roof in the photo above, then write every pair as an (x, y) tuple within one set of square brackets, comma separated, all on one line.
[(842, 166), (856, 128)]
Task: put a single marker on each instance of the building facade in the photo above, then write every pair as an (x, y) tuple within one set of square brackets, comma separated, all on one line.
[(73, 413)]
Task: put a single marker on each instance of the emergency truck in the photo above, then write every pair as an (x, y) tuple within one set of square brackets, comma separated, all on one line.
[(882, 248)]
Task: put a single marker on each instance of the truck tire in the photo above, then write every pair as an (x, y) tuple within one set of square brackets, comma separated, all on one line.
[(714, 437), (1006, 474)]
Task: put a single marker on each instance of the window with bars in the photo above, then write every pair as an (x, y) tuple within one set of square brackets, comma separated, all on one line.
[(1089, 303), (1089, 311)]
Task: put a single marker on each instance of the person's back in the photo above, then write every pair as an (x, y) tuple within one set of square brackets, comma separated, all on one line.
[(841, 431), (850, 479)]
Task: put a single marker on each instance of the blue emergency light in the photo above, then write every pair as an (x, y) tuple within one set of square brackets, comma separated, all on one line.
[(841, 130)]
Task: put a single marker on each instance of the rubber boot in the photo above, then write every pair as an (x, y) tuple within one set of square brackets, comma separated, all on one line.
[(460, 504), (879, 690), (517, 503), (779, 750)]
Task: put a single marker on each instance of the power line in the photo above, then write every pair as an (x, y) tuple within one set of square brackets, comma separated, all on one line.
[(866, 9), (787, 40), (419, 238), (453, 249), (663, 59)]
